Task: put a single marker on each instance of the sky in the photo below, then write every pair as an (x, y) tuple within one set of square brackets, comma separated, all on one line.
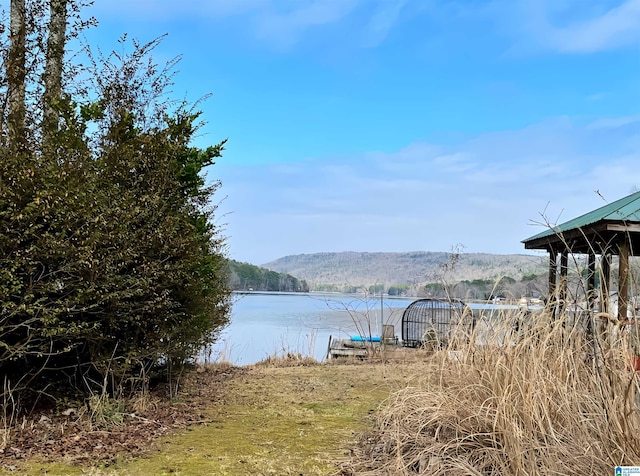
[(401, 125)]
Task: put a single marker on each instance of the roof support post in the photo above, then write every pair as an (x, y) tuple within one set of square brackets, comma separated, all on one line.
[(553, 270), (591, 281), (562, 292), (623, 279), (591, 294), (605, 278)]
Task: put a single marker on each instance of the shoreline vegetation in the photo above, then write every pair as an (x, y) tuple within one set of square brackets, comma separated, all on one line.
[(546, 397), (480, 276)]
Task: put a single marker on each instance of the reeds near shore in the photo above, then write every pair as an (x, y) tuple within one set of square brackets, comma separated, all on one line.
[(547, 399)]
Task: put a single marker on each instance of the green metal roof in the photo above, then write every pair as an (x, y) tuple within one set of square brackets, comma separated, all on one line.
[(625, 209)]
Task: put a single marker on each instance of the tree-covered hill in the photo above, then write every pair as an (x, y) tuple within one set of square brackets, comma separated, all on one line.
[(406, 267), (245, 276), (408, 271)]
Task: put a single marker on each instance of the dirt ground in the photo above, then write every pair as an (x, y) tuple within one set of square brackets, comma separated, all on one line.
[(67, 435), (279, 418)]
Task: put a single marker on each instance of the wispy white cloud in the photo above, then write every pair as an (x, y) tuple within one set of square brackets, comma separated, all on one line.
[(280, 23), (172, 9), (614, 122), (570, 26), (618, 26), (285, 27), (484, 193), (598, 96), (384, 18)]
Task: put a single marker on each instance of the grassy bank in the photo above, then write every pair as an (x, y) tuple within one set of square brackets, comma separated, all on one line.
[(264, 420), (544, 400)]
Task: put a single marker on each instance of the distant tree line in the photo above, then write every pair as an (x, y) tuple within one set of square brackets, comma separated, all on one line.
[(245, 276), (530, 285), (398, 290)]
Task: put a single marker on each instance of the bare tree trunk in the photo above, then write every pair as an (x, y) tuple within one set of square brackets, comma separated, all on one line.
[(16, 74), (53, 67)]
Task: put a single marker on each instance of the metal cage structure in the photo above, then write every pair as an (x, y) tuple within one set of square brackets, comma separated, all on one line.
[(435, 321)]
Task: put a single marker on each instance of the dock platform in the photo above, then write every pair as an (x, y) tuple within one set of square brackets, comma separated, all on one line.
[(360, 347)]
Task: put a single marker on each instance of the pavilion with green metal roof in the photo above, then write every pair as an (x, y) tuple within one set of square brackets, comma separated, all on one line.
[(611, 230)]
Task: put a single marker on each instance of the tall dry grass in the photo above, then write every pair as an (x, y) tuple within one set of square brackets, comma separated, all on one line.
[(543, 400)]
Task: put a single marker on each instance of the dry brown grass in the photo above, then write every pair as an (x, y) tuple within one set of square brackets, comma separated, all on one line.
[(545, 402), (289, 359)]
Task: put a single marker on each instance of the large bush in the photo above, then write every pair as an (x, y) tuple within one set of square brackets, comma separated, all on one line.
[(110, 265)]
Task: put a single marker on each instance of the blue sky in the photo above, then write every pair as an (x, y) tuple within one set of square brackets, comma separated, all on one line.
[(402, 125)]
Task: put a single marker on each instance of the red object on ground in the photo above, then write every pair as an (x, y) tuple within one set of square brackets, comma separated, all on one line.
[(634, 363)]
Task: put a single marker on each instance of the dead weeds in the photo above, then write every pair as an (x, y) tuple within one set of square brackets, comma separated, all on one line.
[(71, 436)]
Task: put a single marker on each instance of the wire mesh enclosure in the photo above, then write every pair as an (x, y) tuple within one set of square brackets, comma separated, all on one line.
[(435, 322)]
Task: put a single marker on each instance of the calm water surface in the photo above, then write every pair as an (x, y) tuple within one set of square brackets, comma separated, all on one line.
[(265, 324)]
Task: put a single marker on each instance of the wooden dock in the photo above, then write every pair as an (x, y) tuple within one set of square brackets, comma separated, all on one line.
[(360, 347), (348, 348)]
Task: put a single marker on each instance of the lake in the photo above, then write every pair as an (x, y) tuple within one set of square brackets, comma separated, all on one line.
[(264, 324)]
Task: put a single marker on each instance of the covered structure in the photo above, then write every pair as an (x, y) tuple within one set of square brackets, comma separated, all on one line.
[(611, 230)]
